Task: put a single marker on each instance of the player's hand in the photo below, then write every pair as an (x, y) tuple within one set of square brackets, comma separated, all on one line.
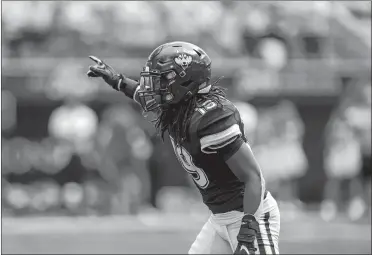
[(106, 72), (247, 235)]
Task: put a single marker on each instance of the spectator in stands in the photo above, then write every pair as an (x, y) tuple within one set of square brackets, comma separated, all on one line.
[(347, 155), (290, 130), (358, 116)]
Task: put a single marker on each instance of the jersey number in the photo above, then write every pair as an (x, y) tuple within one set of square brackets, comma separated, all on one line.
[(198, 174)]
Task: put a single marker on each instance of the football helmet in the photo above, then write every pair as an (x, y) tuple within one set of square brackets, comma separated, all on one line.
[(173, 73)]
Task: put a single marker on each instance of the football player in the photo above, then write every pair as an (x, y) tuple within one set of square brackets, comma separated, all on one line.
[(209, 141)]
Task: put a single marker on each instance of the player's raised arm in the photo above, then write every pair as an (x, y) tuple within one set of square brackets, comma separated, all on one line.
[(224, 136), (117, 81)]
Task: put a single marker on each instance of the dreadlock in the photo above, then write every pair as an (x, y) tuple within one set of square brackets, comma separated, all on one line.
[(176, 119)]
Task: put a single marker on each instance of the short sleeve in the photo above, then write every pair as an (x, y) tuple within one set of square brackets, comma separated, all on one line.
[(218, 129)]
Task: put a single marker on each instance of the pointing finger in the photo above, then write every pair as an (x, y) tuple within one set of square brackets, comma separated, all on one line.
[(97, 60)]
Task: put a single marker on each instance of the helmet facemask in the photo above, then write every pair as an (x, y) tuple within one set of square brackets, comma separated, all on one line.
[(154, 91)]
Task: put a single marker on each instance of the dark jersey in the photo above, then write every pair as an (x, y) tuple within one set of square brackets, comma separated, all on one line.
[(215, 134)]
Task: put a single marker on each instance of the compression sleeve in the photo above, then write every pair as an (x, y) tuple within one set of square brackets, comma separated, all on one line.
[(129, 87)]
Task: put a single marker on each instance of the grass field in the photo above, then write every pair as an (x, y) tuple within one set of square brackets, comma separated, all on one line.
[(168, 234)]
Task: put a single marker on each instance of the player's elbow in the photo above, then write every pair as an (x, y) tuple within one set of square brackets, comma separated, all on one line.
[(251, 176), (244, 166), (248, 175)]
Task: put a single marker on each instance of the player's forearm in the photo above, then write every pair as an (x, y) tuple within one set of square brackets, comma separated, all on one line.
[(128, 87), (252, 194)]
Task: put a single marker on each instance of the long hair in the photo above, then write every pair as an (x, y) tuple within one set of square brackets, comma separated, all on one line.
[(176, 119)]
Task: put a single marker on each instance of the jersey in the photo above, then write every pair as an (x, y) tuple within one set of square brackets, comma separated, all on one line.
[(215, 133)]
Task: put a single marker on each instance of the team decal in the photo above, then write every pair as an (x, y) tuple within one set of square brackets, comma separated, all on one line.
[(183, 60)]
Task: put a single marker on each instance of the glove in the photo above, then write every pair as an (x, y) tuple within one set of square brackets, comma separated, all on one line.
[(101, 69), (247, 235)]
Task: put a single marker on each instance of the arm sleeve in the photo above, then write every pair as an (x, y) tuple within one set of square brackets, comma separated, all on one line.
[(220, 132), (130, 87)]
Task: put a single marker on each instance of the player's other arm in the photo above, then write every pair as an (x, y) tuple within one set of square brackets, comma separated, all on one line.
[(225, 138), (117, 81), (239, 157), (221, 134)]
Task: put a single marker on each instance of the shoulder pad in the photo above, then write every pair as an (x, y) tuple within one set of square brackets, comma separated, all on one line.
[(218, 126)]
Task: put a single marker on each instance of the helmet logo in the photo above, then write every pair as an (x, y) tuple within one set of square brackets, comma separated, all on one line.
[(183, 60)]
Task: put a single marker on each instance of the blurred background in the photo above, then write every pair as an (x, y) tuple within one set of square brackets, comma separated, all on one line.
[(84, 172)]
